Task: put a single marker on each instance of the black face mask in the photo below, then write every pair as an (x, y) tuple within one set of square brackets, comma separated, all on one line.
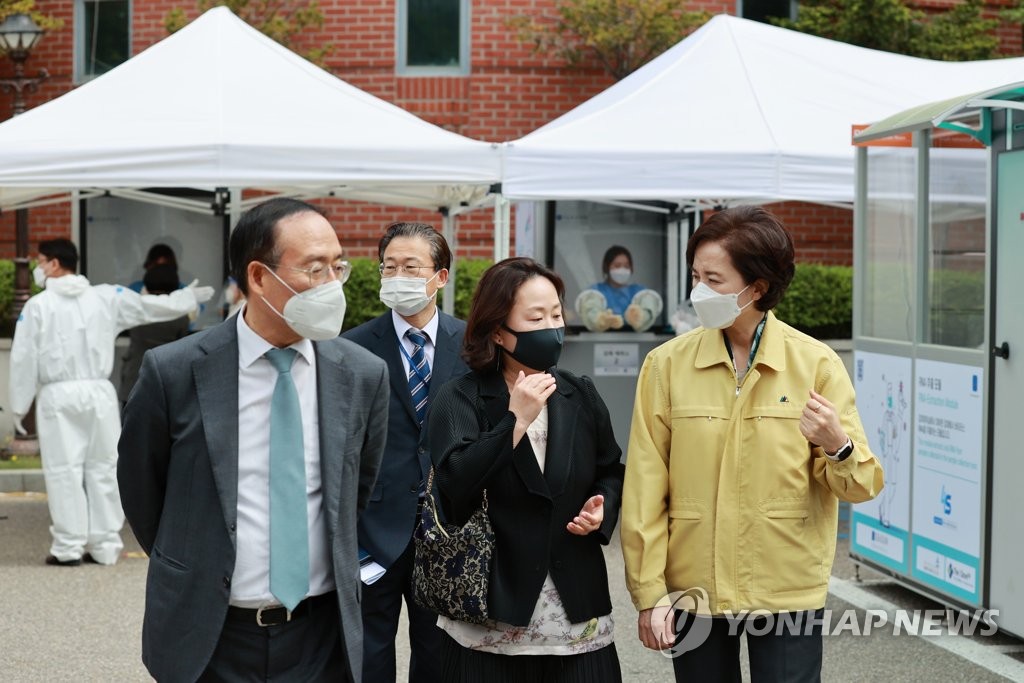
[(537, 349)]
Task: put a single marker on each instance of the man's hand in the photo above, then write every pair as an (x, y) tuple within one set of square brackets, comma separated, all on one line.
[(202, 293)]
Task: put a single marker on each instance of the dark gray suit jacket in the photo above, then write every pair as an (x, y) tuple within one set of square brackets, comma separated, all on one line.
[(178, 475), (386, 527)]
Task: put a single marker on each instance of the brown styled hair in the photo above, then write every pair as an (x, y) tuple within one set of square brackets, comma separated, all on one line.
[(493, 300), (760, 248)]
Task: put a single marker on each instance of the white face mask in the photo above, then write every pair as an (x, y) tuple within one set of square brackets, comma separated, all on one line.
[(620, 276), (406, 295), (316, 313), (716, 311), (39, 276)]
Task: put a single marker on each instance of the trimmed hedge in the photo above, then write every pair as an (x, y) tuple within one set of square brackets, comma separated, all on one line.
[(957, 316), (362, 291), (819, 301), (7, 294)]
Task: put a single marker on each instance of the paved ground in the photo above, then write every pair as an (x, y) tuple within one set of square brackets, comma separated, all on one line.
[(83, 623)]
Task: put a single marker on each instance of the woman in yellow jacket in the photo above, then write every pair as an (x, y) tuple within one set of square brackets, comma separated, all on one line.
[(745, 437)]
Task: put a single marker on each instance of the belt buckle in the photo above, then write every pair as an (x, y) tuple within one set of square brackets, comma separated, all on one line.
[(267, 608)]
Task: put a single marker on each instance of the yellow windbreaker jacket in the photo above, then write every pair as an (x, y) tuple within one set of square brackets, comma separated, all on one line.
[(722, 491)]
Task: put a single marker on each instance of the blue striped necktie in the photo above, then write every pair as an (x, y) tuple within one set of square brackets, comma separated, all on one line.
[(419, 373), (289, 534)]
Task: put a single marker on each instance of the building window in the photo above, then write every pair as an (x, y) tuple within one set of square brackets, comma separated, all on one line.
[(762, 10), (433, 37), (102, 36)]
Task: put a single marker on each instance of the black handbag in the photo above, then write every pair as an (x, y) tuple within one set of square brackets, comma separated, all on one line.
[(452, 567)]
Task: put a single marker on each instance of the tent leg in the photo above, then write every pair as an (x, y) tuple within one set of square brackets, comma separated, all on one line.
[(448, 230), (502, 235)]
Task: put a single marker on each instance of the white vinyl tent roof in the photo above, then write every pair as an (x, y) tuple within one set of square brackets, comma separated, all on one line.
[(218, 104), (738, 111)]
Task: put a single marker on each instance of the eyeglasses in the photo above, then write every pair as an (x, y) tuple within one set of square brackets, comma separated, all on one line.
[(319, 274), (407, 270)]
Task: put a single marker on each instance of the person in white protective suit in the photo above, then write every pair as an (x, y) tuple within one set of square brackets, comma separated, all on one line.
[(62, 356)]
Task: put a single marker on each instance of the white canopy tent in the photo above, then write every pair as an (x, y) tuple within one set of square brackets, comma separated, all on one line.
[(220, 105), (737, 112)]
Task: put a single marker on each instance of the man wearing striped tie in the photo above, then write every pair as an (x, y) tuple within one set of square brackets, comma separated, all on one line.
[(421, 346)]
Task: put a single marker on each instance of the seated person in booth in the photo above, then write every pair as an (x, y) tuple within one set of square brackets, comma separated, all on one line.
[(615, 303)]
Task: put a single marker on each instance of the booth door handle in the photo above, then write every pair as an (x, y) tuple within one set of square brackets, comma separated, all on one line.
[(1001, 351)]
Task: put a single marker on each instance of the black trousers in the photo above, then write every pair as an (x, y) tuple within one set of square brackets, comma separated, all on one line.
[(780, 650), (382, 606), (304, 649), (462, 665)]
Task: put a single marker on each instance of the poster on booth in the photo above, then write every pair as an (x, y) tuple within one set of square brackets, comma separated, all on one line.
[(880, 527), (946, 523)]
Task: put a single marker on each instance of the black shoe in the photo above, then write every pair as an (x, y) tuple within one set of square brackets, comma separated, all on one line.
[(89, 559), (51, 560)]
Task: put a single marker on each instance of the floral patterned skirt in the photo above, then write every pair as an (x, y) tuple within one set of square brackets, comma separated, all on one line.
[(548, 633)]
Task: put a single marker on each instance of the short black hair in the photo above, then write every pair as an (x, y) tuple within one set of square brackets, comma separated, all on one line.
[(440, 253), (161, 279), (255, 236), (613, 253), (61, 250), (160, 253)]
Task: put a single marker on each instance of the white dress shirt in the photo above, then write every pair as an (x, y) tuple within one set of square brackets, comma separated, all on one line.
[(401, 327), (250, 585)]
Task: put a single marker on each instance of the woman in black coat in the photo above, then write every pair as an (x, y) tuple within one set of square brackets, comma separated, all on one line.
[(539, 440)]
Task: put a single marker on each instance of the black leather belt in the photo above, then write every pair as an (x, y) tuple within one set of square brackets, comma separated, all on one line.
[(272, 615)]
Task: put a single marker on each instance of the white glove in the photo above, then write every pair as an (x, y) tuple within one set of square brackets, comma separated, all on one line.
[(590, 305), (18, 426), (644, 309), (202, 293)]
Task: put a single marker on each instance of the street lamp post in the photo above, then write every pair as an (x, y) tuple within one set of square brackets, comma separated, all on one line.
[(18, 35)]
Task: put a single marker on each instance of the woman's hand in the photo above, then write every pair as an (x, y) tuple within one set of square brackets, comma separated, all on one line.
[(656, 627), (528, 396), (820, 425), (590, 517)]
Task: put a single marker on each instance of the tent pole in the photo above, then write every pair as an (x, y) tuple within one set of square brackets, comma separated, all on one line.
[(448, 230), (502, 237)]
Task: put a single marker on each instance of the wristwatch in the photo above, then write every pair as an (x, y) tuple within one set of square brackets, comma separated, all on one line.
[(842, 454)]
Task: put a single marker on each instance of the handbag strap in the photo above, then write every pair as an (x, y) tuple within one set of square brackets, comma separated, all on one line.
[(430, 493)]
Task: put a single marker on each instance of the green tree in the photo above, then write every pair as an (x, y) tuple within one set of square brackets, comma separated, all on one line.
[(282, 20), (960, 33), (622, 35)]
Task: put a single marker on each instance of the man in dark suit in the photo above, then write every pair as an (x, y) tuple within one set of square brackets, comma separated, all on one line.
[(247, 452), (421, 346)]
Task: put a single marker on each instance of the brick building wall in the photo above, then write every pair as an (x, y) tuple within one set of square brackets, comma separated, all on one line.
[(508, 92)]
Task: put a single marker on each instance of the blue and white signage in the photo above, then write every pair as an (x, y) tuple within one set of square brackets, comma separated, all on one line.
[(946, 522), (880, 527)]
